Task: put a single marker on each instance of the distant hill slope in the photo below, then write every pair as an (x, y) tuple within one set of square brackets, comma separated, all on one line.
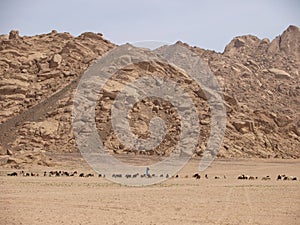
[(39, 74)]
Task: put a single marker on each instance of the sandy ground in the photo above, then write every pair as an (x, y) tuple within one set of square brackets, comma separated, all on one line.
[(93, 200)]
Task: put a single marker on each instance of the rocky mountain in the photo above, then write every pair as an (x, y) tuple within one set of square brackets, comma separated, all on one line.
[(39, 75)]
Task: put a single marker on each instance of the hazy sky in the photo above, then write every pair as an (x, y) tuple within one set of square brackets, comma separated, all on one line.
[(207, 24)]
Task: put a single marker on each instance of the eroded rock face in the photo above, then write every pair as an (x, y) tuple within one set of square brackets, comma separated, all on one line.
[(287, 42), (38, 75)]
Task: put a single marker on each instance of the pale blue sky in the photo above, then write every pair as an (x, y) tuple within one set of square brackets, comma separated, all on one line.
[(207, 24)]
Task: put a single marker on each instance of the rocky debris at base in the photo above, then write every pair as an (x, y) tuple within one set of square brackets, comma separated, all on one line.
[(24, 158)]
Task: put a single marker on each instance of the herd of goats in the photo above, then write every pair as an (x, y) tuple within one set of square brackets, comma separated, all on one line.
[(196, 175)]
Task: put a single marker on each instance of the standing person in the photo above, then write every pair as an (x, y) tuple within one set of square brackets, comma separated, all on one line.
[(147, 172)]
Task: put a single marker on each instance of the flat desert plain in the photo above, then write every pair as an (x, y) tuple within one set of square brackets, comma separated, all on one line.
[(183, 200)]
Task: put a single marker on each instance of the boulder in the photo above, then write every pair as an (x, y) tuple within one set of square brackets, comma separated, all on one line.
[(3, 160), (14, 34), (13, 160), (12, 89), (48, 75), (243, 126), (36, 56), (9, 152), (280, 74), (55, 61)]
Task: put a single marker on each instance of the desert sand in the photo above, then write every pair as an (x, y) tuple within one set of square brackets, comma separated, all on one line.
[(183, 200)]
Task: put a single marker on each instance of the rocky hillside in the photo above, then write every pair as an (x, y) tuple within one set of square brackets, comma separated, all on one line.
[(261, 82), (39, 75)]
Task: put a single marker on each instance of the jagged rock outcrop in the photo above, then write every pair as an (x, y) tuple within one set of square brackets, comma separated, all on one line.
[(287, 43)]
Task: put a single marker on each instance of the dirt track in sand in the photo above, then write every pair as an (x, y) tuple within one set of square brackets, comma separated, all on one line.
[(75, 200)]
